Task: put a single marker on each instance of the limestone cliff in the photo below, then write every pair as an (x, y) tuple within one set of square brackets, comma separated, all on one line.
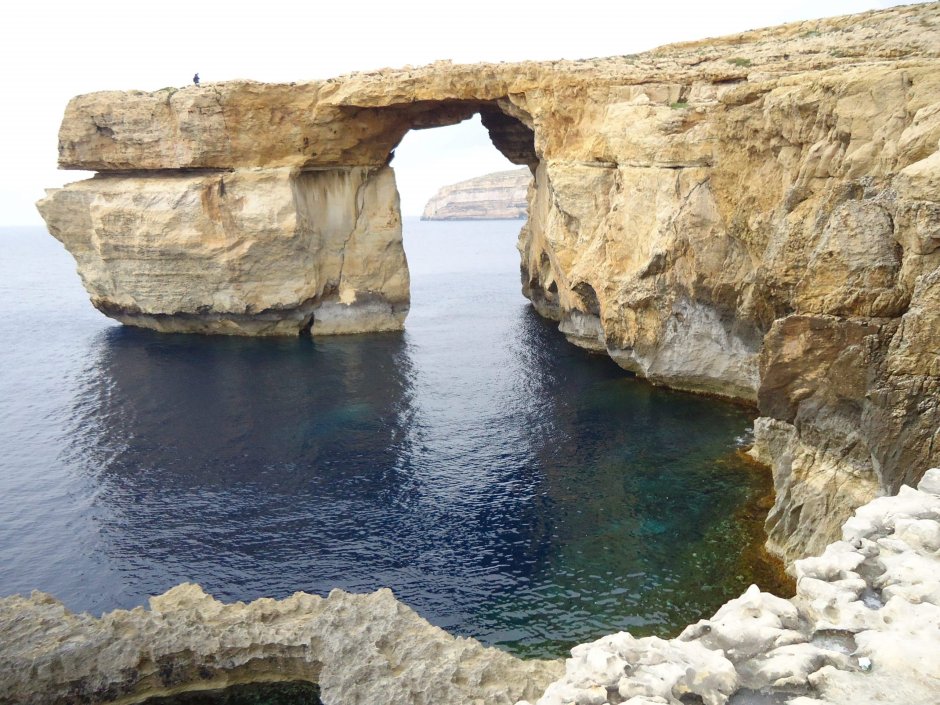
[(862, 628), (495, 196), (756, 216)]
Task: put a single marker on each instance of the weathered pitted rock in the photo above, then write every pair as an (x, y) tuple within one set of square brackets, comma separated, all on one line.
[(489, 197), (864, 627), (755, 217), (360, 649)]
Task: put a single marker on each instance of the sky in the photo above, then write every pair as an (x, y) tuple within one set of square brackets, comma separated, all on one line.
[(51, 51)]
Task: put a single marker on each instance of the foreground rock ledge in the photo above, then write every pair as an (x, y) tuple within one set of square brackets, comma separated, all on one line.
[(755, 216), (864, 627), (368, 649)]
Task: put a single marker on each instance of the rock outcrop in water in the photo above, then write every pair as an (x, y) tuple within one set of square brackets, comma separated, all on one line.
[(494, 196), (756, 216), (864, 627)]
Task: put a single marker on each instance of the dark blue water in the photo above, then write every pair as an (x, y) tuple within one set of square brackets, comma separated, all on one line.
[(502, 482)]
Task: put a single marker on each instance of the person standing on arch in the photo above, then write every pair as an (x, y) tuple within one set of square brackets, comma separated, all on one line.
[(196, 79)]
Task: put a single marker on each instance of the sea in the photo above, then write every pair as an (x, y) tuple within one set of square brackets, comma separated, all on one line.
[(503, 483)]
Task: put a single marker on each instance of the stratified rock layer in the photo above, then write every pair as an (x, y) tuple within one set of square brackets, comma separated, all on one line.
[(502, 195), (247, 252), (864, 627), (756, 217)]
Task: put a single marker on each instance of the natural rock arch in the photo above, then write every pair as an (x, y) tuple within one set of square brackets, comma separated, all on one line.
[(247, 236), (755, 216)]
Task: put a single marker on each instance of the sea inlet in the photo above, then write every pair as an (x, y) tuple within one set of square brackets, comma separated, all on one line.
[(505, 484)]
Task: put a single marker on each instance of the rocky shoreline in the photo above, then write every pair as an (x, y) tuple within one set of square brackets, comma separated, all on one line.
[(864, 627)]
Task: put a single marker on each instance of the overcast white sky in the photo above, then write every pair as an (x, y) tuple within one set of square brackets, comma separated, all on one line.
[(50, 51)]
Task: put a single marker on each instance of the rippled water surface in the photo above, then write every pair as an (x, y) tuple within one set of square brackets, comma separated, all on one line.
[(502, 482)]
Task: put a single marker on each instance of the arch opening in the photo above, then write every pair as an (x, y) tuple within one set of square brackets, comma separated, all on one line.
[(352, 210), (377, 131), (463, 203)]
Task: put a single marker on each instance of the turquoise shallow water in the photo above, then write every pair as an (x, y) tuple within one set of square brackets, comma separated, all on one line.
[(503, 483)]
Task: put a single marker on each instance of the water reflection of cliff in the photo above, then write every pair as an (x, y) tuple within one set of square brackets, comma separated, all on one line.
[(260, 467), (504, 484)]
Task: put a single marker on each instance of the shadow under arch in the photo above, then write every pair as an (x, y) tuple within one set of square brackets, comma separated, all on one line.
[(510, 128)]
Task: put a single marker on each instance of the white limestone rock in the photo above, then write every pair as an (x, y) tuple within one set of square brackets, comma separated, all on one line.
[(620, 668), (789, 666), (930, 482), (752, 624)]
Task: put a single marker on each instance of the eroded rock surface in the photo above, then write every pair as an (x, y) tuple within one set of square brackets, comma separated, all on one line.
[(755, 216), (247, 252), (360, 649), (490, 197)]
